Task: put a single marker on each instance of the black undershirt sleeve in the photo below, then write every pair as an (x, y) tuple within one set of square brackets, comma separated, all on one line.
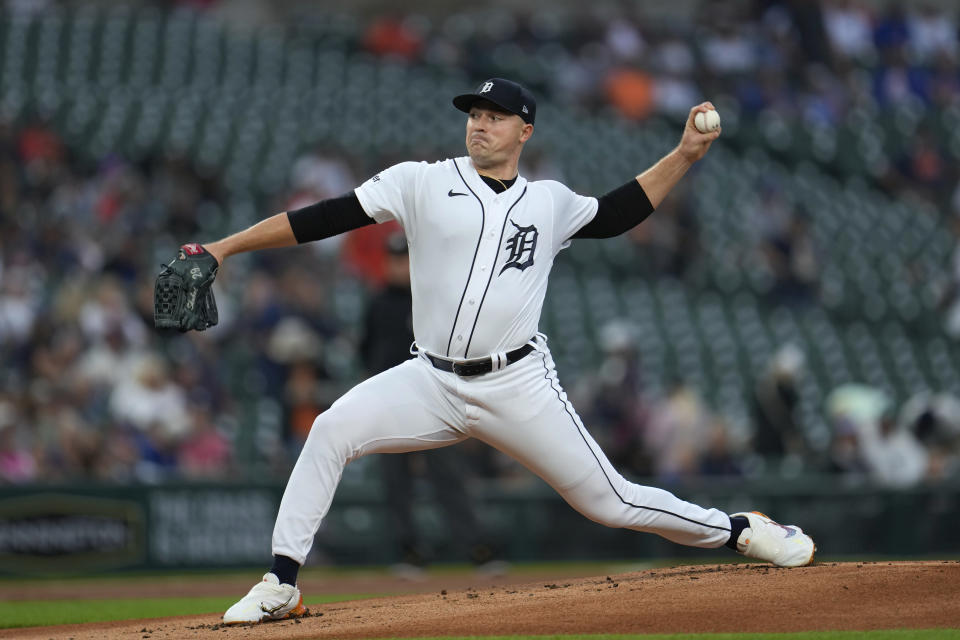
[(619, 210), (328, 218)]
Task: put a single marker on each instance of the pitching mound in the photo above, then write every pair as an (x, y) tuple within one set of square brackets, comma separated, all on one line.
[(702, 599)]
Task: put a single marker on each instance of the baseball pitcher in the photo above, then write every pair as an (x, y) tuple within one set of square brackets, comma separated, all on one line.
[(482, 240)]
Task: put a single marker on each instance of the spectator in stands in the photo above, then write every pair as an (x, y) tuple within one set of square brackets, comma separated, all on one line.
[(932, 32), (729, 49), (205, 451), (674, 64), (719, 457), (17, 464), (924, 165), (631, 92), (294, 362), (41, 152), (119, 455), (888, 455), (624, 40), (109, 310), (824, 97), (364, 255), (890, 29), (303, 400), (778, 431), (849, 28), (668, 243), (949, 294), (150, 402), (844, 454), (934, 418), (318, 175), (19, 305), (677, 432), (898, 80), (795, 261), (394, 36), (945, 81), (107, 362), (613, 400)]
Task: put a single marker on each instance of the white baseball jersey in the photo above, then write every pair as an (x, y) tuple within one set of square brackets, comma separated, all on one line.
[(479, 263), (479, 260)]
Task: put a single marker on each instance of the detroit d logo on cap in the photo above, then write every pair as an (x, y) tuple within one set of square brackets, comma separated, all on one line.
[(486, 87)]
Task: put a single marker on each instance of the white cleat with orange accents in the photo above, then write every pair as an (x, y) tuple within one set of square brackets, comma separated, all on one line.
[(783, 545), (267, 600)]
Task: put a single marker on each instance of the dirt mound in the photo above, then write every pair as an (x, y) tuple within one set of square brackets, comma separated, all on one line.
[(701, 599)]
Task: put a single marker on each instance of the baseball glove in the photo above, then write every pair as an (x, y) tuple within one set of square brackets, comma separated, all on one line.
[(183, 297)]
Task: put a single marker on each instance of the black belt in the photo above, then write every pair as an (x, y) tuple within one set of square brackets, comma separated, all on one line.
[(478, 366)]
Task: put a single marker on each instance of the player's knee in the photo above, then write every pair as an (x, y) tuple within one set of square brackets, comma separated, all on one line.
[(340, 434), (327, 437), (597, 508), (598, 502), (614, 517)]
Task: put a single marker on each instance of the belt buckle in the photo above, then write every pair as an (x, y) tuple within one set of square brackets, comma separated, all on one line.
[(467, 369)]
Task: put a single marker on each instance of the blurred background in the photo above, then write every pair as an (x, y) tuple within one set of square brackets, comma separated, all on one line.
[(782, 334)]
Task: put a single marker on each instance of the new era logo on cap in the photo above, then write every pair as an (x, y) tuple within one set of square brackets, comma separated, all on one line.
[(506, 94)]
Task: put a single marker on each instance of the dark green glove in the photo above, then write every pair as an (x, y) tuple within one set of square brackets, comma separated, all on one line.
[(182, 296)]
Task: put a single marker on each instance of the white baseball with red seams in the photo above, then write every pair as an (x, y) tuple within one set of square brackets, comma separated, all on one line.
[(479, 264), (707, 121)]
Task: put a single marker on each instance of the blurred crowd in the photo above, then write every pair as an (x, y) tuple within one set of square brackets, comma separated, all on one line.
[(803, 64), (679, 435), (86, 392), (89, 390)]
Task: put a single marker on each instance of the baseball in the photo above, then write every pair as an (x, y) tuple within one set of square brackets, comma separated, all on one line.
[(707, 121)]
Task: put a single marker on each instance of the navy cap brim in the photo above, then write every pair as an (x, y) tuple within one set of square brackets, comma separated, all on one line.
[(466, 101)]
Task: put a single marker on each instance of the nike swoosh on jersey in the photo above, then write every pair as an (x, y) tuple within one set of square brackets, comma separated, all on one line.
[(452, 193)]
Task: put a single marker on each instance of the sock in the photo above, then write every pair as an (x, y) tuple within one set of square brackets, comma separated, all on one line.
[(285, 569), (737, 525)]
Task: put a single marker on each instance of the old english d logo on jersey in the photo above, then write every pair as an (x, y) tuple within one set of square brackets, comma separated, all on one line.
[(521, 247)]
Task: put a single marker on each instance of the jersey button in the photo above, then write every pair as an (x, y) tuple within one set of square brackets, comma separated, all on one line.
[(471, 301), (483, 267), (460, 338)]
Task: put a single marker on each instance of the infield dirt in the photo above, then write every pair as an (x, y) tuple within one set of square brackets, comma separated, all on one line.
[(687, 599)]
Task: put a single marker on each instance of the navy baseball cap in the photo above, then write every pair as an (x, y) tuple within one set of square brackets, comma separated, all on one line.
[(506, 94)]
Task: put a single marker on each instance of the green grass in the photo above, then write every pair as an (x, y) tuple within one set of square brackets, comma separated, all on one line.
[(904, 634), (332, 572), (33, 613)]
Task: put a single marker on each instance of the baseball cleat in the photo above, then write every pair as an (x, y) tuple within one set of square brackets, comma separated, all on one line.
[(783, 545), (267, 600)]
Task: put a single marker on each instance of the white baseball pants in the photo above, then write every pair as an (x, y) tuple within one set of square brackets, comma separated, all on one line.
[(520, 410)]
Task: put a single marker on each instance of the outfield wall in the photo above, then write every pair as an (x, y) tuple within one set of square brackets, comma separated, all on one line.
[(65, 529)]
